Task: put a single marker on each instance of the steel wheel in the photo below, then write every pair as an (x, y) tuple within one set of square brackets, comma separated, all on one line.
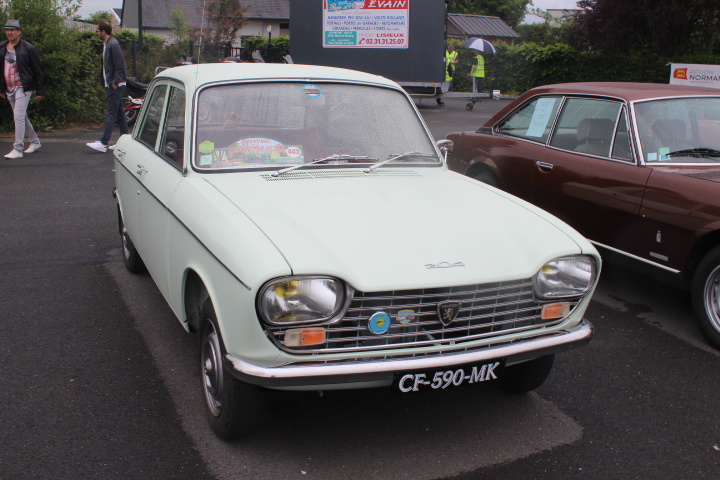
[(231, 406), (706, 296), (213, 381), (131, 257)]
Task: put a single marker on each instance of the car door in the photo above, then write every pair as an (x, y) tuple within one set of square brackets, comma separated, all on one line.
[(515, 158), (156, 159), (591, 179)]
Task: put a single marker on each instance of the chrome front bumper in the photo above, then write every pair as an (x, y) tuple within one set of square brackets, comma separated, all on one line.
[(309, 374)]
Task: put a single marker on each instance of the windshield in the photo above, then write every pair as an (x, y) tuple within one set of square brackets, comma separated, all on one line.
[(680, 130), (284, 124)]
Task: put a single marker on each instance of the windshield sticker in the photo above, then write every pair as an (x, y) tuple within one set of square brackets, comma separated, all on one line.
[(541, 116), (206, 147), (206, 160), (257, 151), (664, 153), (312, 91)]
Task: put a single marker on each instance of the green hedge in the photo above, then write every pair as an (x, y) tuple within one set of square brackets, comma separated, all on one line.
[(516, 69)]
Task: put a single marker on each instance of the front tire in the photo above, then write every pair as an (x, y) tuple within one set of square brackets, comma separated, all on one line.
[(705, 294), (487, 176), (527, 376), (231, 406)]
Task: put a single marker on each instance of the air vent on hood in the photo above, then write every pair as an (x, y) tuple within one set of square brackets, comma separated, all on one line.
[(354, 173)]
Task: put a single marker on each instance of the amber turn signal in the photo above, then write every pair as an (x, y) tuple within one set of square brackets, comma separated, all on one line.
[(303, 337)]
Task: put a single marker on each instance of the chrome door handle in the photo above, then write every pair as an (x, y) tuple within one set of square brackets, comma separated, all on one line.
[(141, 169), (544, 165), (119, 153)]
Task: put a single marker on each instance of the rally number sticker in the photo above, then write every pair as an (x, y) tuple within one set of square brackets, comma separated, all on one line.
[(439, 380)]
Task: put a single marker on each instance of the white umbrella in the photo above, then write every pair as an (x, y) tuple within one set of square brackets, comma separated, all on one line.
[(479, 44)]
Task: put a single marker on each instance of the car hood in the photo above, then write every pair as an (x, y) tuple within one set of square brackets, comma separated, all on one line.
[(396, 228)]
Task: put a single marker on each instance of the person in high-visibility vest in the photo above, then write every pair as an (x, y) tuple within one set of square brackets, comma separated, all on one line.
[(478, 72), (451, 59)]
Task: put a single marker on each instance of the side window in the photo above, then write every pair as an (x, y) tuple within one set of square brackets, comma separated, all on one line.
[(172, 142), (151, 121), (587, 125), (533, 120), (622, 148)]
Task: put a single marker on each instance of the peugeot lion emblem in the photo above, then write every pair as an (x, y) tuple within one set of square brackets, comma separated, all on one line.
[(447, 311)]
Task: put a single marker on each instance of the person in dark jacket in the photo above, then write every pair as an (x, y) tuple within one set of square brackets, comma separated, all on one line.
[(21, 76), (114, 78)]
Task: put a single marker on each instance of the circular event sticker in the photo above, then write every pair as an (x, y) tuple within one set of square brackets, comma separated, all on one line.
[(311, 90)]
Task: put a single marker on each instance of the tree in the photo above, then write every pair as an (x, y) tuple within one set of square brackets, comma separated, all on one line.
[(510, 11), (668, 28), (95, 17), (226, 18)]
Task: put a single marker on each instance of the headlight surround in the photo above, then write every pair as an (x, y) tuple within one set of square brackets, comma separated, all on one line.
[(565, 277), (301, 300)]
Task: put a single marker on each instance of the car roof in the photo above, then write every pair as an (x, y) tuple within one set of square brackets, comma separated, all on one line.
[(201, 74), (625, 90)]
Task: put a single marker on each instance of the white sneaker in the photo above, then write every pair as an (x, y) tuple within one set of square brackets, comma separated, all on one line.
[(34, 147), (112, 147), (14, 154), (99, 146)]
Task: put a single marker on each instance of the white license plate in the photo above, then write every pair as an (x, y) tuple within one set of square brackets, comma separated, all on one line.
[(452, 377)]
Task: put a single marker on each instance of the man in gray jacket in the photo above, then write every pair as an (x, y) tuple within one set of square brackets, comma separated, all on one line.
[(114, 77)]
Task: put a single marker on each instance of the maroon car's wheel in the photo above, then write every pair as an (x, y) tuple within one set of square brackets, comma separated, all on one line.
[(487, 176), (230, 405), (706, 296)]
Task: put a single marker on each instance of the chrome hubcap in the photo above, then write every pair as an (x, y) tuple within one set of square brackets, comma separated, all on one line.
[(712, 298)]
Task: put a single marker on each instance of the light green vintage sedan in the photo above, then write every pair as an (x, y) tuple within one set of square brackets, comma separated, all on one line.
[(302, 220)]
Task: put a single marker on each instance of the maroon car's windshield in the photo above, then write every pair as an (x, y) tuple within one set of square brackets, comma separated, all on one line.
[(679, 130)]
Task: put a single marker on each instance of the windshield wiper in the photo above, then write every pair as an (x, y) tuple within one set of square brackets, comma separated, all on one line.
[(700, 151), (336, 156), (398, 157)]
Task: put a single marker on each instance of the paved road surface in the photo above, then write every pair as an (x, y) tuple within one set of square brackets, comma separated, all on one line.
[(98, 380)]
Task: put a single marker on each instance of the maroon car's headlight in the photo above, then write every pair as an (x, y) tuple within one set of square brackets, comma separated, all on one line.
[(565, 277)]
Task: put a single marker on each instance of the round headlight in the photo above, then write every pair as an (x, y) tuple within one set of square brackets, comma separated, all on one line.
[(293, 300), (565, 277)]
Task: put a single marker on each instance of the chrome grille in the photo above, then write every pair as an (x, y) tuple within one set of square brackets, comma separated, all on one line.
[(486, 310)]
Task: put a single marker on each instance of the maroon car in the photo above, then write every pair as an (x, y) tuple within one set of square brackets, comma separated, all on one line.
[(634, 167)]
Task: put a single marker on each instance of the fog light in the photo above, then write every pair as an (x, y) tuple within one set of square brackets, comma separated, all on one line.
[(555, 310), (303, 337)]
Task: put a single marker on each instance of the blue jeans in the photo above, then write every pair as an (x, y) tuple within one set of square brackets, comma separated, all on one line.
[(114, 113)]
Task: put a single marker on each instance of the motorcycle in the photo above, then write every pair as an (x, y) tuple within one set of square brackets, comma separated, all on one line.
[(132, 106)]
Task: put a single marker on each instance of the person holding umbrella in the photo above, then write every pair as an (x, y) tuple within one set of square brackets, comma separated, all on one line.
[(478, 70)]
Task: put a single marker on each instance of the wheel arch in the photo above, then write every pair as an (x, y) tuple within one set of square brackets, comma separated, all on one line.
[(483, 166), (195, 293), (708, 242)]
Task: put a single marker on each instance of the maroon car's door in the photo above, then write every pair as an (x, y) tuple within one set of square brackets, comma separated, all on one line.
[(589, 176), (599, 197)]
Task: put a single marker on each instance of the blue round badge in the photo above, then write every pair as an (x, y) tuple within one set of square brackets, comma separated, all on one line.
[(379, 323)]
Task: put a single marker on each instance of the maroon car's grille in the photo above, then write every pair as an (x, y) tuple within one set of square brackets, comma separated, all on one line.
[(487, 310)]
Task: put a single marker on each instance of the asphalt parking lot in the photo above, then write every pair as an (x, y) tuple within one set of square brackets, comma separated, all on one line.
[(98, 380)]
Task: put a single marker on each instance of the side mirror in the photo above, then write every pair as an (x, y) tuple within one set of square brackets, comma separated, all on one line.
[(445, 146)]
